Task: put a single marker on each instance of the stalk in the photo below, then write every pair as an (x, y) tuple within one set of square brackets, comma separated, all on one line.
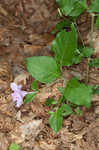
[(91, 43), (92, 29), (79, 34)]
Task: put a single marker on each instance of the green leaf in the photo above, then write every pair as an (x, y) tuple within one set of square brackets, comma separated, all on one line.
[(72, 7), (94, 63), (50, 101), (62, 98), (56, 120), (64, 46), (61, 89), (30, 97), (77, 59), (65, 110), (97, 22), (94, 6), (14, 146), (34, 85), (78, 93), (43, 68), (87, 51), (95, 89), (83, 52), (61, 25), (78, 7)]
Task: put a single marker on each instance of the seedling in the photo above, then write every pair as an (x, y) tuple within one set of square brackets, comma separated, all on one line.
[(14, 146)]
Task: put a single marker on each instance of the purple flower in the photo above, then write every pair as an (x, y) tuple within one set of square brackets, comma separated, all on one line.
[(18, 94)]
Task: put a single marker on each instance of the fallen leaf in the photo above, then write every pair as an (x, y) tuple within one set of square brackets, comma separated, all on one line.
[(26, 131), (21, 77)]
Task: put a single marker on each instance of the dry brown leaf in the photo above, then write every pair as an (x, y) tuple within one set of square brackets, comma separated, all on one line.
[(50, 90), (3, 11), (46, 146), (31, 49), (22, 77), (26, 131), (3, 142)]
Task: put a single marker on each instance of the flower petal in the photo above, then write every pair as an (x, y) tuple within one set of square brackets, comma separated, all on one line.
[(16, 96), (19, 103), (24, 93), (13, 86), (19, 87)]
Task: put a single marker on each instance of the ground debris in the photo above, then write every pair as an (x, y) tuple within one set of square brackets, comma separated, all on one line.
[(25, 31)]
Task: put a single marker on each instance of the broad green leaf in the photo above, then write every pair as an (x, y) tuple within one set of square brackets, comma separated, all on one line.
[(72, 7), (61, 25), (50, 101), (65, 110), (43, 68), (30, 97), (78, 93), (64, 46), (65, 5), (79, 7), (87, 51), (97, 22), (94, 63), (14, 146), (94, 6), (34, 85), (56, 120)]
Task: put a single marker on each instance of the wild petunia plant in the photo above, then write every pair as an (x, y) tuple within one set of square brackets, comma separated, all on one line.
[(66, 51)]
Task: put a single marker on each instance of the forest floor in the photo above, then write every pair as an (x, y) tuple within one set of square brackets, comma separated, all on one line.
[(25, 30)]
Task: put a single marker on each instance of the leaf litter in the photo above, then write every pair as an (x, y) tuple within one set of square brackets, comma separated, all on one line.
[(30, 127)]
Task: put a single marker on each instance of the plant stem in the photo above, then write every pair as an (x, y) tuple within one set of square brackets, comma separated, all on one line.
[(91, 1), (79, 34), (87, 72), (91, 43), (92, 29)]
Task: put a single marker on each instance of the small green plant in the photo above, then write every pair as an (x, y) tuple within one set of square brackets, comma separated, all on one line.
[(66, 51), (94, 62), (14, 146)]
